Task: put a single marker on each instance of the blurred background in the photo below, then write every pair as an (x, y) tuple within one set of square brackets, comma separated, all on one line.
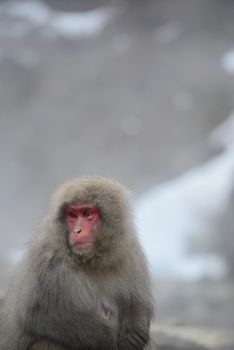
[(140, 90)]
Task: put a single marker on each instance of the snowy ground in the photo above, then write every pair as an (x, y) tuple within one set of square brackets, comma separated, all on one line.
[(171, 215)]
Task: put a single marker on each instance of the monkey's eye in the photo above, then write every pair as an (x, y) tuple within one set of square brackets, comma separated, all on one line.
[(87, 213), (72, 215)]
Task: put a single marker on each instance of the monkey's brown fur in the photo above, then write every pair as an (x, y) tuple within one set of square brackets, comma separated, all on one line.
[(57, 298)]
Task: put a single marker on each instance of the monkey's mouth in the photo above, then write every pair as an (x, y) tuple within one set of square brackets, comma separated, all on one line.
[(82, 245)]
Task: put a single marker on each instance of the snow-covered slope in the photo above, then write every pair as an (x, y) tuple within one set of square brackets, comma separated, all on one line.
[(170, 214)]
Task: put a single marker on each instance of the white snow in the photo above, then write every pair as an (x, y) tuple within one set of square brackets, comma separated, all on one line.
[(228, 62), (85, 24), (170, 214), (33, 11), (223, 136), (37, 15)]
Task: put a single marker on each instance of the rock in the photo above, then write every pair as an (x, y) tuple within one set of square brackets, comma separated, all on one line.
[(187, 338)]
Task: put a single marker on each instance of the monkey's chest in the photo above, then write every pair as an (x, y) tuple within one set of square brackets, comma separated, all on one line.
[(98, 298)]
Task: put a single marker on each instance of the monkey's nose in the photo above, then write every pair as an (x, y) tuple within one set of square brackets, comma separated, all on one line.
[(78, 230)]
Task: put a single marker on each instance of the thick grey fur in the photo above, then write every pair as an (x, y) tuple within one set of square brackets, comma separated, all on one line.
[(55, 299)]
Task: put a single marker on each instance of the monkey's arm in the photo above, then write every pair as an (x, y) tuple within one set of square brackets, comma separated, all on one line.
[(134, 328), (136, 307)]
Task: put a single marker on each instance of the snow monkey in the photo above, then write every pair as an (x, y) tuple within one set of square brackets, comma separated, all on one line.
[(84, 282)]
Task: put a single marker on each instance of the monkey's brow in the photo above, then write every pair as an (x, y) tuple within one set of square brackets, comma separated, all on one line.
[(74, 202)]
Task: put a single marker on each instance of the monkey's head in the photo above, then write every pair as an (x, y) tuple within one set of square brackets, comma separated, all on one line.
[(94, 216)]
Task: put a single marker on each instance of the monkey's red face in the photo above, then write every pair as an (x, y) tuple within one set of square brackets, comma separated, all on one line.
[(81, 221)]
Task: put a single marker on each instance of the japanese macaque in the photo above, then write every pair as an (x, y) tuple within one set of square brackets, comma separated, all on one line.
[(84, 282)]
